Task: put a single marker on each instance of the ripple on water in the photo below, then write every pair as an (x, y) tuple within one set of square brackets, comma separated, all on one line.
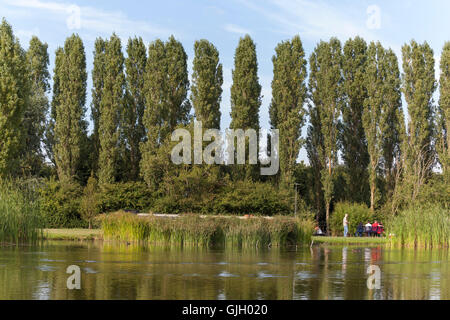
[(46, 268), (225, 274)]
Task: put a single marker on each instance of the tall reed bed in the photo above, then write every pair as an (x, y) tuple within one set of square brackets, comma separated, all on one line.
[(421, 227), (19, 214), (205, 231)]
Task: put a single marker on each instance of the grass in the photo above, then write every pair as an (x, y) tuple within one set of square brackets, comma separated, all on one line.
[(19, 214), (193, 230), (351, 240), (421, 227), (72, 234)]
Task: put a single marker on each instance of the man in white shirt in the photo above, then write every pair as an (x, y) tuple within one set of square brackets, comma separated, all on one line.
[(345, 222)]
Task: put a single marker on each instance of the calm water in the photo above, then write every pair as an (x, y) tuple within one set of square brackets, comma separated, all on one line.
[(111, 271)]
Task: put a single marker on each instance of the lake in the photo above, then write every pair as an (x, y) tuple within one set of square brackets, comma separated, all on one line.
[(119, 271)]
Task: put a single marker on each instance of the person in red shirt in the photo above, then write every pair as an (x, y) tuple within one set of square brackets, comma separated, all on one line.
[(375, 228)]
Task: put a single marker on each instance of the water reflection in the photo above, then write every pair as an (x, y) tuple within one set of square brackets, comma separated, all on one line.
[(111, 271)]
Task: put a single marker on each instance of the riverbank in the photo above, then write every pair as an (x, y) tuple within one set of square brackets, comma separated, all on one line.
[(72, 234)]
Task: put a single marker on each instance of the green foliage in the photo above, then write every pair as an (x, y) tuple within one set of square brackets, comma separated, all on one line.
[(194, 230), (288, 96), (418, 87), (89, 202), (352, 135), (69, 107), (20, 218), (111, 106), (245, 99), (124, 196), (325, 87), (421, 226), (207, 80), (37, 108), (357, 213), (60, 205), (443, 112), (14, 96), (133, 129), (165, 87), (254, 198)]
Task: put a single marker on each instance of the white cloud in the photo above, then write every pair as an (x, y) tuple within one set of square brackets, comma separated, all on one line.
[(92, 19), (236, 29)]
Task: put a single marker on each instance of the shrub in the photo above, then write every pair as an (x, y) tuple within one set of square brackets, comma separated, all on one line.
[(254, 198), (356, 213), (125, 196), (60, 205)]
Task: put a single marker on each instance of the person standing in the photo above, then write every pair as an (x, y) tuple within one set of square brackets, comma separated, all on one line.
[(345, 222)]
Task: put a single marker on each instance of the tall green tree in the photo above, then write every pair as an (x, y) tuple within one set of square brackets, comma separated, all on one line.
[(165, 88), (443, 119), (98, 76), (207, 80), (37, 108), (372, 113), (287, 113), (418, 87), (325, 86), (132, 119), (111, 105), (14, 96), (392, 119), (245, 97), (353, 139), (70, 124)]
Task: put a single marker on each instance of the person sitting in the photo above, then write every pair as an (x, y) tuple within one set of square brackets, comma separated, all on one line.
[(380, 229), (375, 229), (368, 229), (318, 231), (359, 230)]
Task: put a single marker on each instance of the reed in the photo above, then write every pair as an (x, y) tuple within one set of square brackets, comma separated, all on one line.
[(421, 227), (19, 214), (193, 230)]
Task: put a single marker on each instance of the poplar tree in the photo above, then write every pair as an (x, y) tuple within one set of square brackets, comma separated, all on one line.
[(37, 108), (372, 113), (165, 90), (245, 95), (287, 113), (70, 95), (392, 119), (443, 118), (132, 125), (14, 95), (418, 87), (353, 139), (98, 75), (110, 111), (207, 80), (325, 85)]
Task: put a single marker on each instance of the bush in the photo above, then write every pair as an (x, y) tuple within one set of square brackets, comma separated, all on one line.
[(254, 198), (125, 196), (356, 213), (60, 205)]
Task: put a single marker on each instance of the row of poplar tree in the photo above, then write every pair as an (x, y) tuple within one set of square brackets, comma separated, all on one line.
[(352, 99)]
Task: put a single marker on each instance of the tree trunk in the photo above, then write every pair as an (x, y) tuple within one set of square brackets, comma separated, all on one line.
[(328, 217)]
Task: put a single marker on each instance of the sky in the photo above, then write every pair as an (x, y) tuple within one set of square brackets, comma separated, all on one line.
[(223, 22)]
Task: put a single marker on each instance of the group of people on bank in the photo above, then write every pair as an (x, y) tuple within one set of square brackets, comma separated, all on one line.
[(375, 229)]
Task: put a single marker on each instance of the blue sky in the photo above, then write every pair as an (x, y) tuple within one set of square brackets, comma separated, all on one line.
[(223, 22)]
